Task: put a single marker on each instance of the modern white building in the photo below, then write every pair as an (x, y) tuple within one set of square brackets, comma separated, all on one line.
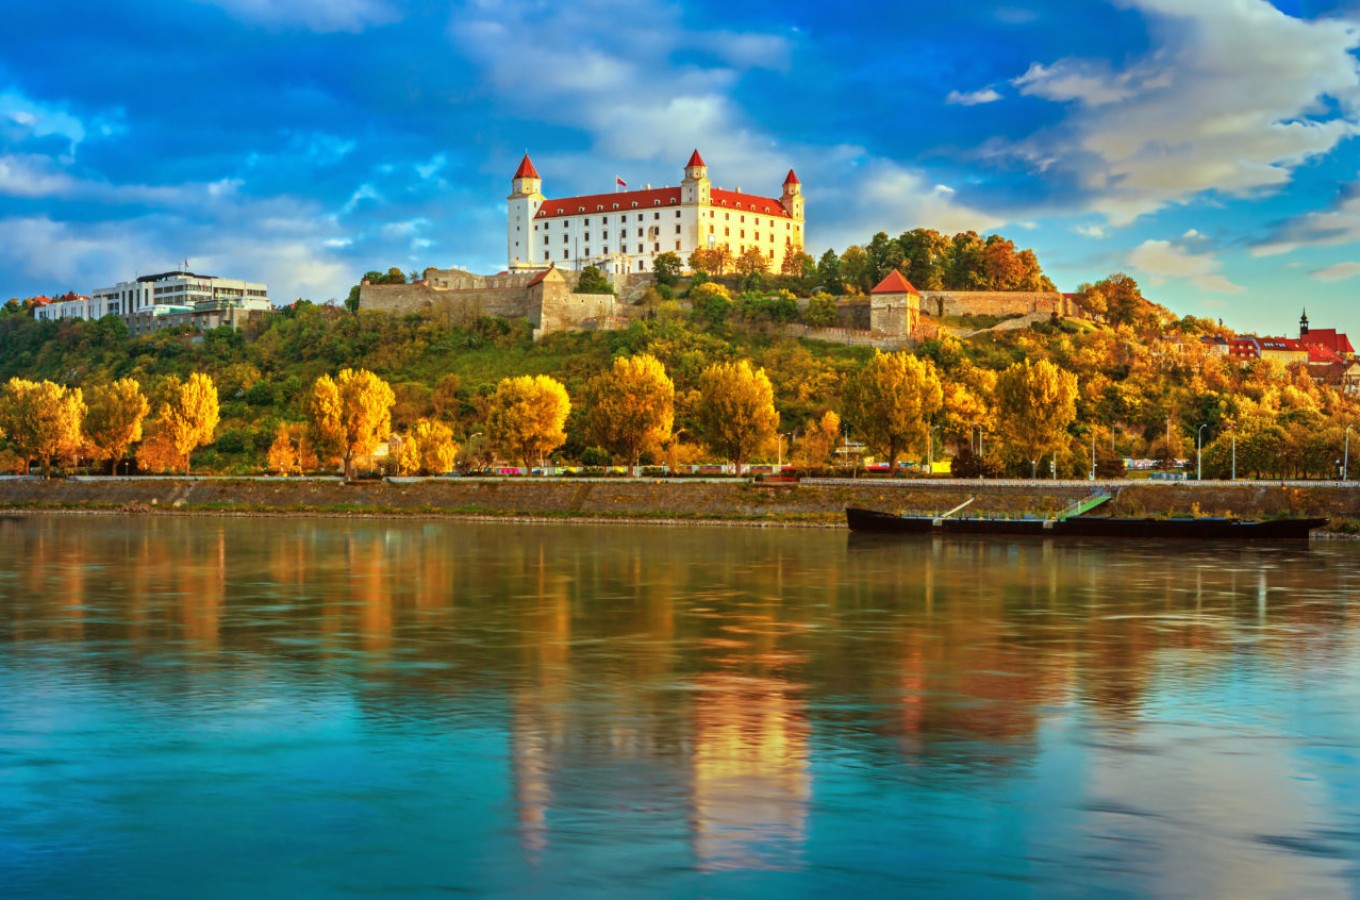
[(625, 231), (164, 294)]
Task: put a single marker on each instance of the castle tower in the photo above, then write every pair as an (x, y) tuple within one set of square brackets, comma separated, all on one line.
[(1303, 324), (792, 198), (695, 189), (526, 196)]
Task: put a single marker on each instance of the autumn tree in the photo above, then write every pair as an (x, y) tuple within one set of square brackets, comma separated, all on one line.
[(632, 407), (187, 416), (527, 416), (42, 420), (891, 400), (818, 441), (736, 414), (1036, 401), (351, 414), (113, 422), (282, 456), (752, 262), (428, 448)]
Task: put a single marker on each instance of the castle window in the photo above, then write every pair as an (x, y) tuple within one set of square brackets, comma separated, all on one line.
[(604, 219), (587, 237), (587, 251), (677, 245), (743, 234), (616, 206), (606, 235), (710, 229), (639, 261), (545, 239), (639, 235), (565, 255), (657, 248), (656, 216), (565, 238), (580, 209), (587, 222), (606, 251), (727, 232), (743, 218), (634, 204), (677, 213), (599, 206), (677, 229)]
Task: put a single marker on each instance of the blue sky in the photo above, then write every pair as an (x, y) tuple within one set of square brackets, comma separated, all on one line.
[(1205, 148)]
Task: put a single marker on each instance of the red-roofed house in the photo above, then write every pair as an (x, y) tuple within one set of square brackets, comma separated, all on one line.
[(894, 306), (1333, 340), (624, 231)]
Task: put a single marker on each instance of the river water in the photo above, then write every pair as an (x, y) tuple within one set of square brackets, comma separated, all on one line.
[(293, 707)]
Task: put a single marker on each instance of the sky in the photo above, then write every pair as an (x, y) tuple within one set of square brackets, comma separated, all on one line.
[(1206, 148)]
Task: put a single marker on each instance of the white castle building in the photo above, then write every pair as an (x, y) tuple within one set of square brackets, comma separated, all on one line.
[(168, 293), (625, 231)]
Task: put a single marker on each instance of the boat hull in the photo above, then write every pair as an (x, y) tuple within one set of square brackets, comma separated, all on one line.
[(867, 520)]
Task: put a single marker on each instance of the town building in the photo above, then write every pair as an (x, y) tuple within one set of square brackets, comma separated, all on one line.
[(1335, 341), (178, 297), (625, 231)]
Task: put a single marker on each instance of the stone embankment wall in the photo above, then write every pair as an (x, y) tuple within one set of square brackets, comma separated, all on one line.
[(654, 498)]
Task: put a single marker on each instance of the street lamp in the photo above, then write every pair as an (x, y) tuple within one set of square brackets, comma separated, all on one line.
[(1346, 458), (1199, 452)]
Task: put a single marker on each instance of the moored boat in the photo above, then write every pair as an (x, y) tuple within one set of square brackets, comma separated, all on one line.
[(1176, 528)]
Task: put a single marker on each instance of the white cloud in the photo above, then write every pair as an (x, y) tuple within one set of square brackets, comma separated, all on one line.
[(1231, 98), (1327, 228), (1337, 272), (1090, 231), (1163, 260), (648, 89), (972, 98), (317, 15)]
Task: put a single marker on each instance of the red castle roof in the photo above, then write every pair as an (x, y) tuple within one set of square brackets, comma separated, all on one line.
[(696, 160), (526, 168), (792, 178), (622, 202), (895, 283)]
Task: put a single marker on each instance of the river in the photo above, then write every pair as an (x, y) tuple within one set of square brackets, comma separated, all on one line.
[(317, 707)]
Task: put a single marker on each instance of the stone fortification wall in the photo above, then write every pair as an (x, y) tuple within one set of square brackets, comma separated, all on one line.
[(507, 302), (853, 315), (568, 311), (992, 303), (851, 337)]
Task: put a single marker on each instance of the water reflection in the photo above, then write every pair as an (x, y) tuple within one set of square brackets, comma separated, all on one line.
[(675, 707)]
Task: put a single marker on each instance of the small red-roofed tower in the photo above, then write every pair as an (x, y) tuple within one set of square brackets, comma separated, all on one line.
[(792, 198), (526, 196), (695, 188)]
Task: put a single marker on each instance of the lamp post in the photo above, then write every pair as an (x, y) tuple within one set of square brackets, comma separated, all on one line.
[(1199, 452), (930, 451), (1346, 457), (1093, 453), (1234, 463)]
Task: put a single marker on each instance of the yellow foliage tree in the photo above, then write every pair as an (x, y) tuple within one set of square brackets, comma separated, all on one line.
[(891, 400), (187, 418), (352, 414), (429, 448), (736, 410), (114, 420), (527, 417), (41, 419), (283, 454), (1035, 404), (818, 440), (158, 452), (632, 407)]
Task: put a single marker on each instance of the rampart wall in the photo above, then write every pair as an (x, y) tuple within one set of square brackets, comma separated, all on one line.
[(992, 303)]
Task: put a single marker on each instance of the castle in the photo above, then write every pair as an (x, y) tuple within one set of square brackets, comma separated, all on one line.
[(626, 231)]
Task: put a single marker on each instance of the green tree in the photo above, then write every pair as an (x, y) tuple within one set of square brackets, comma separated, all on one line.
[(710, 305), (527, 417), (829, 273), (820, 311), (593, 281), (736, 410), (1036, 401), (891, 400), (666, 268), (632, 407)]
